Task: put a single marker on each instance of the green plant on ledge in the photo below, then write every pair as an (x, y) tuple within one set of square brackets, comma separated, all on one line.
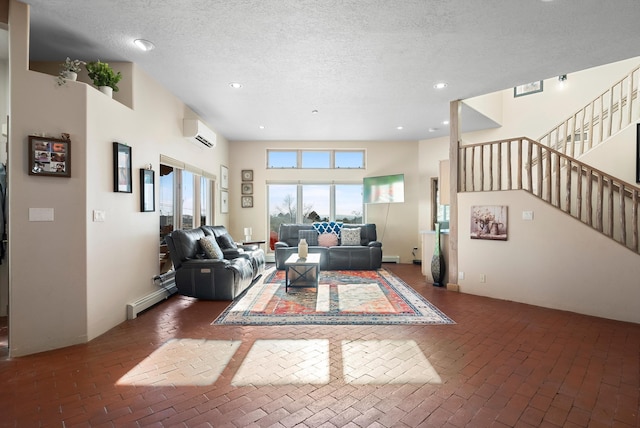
[(103, 75), (68, 67)]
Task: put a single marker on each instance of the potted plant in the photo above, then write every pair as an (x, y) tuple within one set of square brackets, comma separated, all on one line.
[(69, 70), (103, 76)]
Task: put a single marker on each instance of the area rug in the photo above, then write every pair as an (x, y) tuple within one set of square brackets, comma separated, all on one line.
[(342, 297)]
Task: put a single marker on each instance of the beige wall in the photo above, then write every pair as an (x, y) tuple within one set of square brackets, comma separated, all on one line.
[(397, 224), (72, 278), (554, 260)]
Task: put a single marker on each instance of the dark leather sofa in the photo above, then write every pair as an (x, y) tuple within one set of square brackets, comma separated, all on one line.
[(213, 278), (366, 256)]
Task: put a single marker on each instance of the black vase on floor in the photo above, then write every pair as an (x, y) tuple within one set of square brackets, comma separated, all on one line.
[(438, 267)]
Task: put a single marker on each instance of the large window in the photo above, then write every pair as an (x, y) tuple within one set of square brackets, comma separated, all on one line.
[(185, 197), (440, 213), (318, 159), (306, 203)]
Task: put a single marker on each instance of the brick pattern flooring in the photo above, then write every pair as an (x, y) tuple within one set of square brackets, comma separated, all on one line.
[(503, 364)]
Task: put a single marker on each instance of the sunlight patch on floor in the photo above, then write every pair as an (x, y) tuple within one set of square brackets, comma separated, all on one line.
[(181, 362), (285, 362), (363, 298), (386, 362)]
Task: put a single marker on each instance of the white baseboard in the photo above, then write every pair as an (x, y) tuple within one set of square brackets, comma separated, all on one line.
[(390, 259)]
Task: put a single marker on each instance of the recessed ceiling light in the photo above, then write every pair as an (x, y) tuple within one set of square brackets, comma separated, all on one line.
[(440, 85), (400, 128), (433, 129), (314, 111), (261, 126), (445, 122), (144, 45), (235, 85)]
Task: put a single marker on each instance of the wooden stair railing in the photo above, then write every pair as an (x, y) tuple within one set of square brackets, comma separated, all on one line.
[(597, 199), (607, 114)]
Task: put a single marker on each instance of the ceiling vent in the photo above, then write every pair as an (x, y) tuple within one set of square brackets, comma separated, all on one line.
[(199, 133)]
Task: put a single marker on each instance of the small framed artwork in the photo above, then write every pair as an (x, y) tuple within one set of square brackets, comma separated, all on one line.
[(489, 222), (147, 190), (224, 177), (247, 188), (224, 202), (247, 175), (121, 168), (247, 202), (638, 153), (49, 156), (527, 89)]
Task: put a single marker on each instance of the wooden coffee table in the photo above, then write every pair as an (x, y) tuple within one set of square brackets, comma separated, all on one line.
[(302, 273)]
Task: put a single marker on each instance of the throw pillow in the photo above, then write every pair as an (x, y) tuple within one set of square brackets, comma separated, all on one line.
[(226, 242), (328, 227), (210, 247), (327, 240), (311, 236), (350, 236)]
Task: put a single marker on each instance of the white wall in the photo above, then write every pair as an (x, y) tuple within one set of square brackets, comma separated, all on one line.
[(71, 278), (534, 115), (553, 261), (396, 224)]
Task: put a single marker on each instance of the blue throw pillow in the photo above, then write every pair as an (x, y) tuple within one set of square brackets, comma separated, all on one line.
[(311, 236), (328, 227)]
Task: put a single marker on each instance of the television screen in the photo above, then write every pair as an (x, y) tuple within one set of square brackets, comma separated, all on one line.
[(384, 189)]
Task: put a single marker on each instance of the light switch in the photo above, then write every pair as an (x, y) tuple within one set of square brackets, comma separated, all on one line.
[(527, 215), (40, 214), (99, 215)]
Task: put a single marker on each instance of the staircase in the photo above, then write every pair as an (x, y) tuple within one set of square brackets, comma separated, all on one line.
[(550, 169)]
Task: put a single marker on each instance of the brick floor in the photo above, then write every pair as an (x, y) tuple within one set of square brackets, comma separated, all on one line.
[(502, 364)]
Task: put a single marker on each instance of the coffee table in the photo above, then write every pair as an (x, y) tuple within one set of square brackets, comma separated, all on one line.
[(302, 272)]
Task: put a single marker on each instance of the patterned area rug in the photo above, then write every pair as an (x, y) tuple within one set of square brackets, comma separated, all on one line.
[(343, 297)]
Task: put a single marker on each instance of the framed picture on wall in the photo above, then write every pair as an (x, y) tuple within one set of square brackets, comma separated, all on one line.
[(49, 156), (224, 177), (247, 188), (247, 202), (121, 168), (527, 89), (224, 202), (147, 190)]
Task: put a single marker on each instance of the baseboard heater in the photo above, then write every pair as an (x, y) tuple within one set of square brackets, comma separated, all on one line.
[(167, 284), (390, 259)]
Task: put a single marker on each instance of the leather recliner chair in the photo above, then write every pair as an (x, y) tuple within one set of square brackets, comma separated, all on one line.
[(232, 249), (204, 278)]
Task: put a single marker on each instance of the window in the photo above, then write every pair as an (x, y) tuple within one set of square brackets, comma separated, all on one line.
[(349, 159), (316, 159), (306, 203), (185, 196), (282, 159), (319, 159), (439, 213), (187, 207)]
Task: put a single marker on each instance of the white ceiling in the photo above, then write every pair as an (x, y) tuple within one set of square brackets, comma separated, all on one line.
[(366, 66)]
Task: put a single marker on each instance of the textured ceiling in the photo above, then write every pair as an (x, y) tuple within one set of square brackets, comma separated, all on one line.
[(366, 66)]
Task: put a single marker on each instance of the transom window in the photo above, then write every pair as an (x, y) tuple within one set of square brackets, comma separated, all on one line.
[(315, 159)]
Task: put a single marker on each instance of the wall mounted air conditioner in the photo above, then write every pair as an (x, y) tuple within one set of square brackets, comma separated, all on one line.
[(198, 132)]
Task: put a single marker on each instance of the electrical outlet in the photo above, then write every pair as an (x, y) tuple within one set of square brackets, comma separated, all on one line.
[(483, 277), (460, 275)]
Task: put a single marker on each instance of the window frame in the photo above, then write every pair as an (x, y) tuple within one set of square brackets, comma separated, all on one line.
[(299, 153)]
